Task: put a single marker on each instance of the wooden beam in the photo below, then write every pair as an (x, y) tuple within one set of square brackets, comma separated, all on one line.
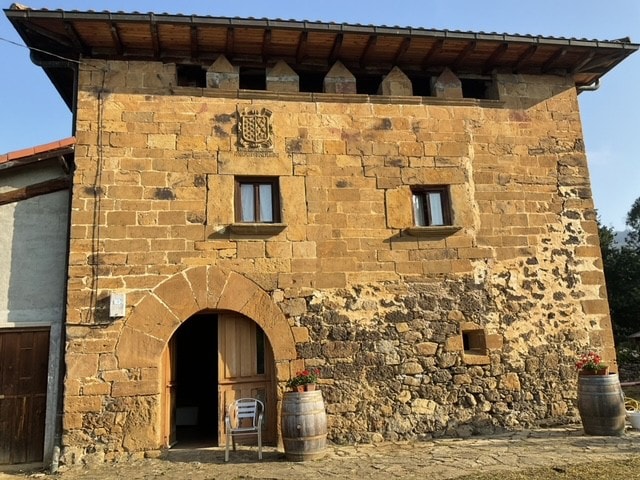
[(75, 38), (471, 46), (155, 38), (404, 46), (495, 56), (371, 43), (435, 48), (266, 44), (558, 54), (230, 43), (335, 50), (35, 190), (528, 53), (115, 36), (194, 42), (301, 50)]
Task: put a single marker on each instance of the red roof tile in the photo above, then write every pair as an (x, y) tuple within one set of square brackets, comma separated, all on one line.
[(25, 154)]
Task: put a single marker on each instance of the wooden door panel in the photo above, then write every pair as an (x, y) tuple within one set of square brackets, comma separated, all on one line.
[(24, 357), (169, 362), (240, 374)]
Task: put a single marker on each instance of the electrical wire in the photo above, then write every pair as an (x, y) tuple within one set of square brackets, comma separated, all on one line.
[(41, 51)]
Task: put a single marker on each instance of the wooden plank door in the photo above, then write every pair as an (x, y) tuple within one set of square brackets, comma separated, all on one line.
[(245, 369), (169, 362), (24, 358)]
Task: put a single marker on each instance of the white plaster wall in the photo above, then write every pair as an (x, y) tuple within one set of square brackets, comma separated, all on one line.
[(33, 249)]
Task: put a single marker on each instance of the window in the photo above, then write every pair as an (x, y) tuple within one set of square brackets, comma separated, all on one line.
[(257, 200), (431, 206)]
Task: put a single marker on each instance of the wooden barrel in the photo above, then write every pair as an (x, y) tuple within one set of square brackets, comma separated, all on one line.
[(304, 425), (601, 404)]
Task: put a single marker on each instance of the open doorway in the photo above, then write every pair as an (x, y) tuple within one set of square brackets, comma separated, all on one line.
[(196, 381), (210, 361)]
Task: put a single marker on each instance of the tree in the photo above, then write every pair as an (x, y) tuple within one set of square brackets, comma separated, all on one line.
[(622, 274), (633, 222)]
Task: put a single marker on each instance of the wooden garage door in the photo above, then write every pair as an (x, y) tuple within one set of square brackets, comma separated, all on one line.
[(24, 356)]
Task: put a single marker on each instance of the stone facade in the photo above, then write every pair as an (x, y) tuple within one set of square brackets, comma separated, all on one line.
[(418, 332)]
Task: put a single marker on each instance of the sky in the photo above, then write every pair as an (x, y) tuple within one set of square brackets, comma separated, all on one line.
[(32, 112)]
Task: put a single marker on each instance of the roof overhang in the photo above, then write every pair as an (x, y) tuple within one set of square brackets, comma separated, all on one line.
[(69, 36), (60, 149)]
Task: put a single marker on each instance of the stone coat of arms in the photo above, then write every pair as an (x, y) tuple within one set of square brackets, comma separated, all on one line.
[(255, 132)]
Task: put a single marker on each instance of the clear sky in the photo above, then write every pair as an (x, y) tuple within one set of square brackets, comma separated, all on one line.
[(32, 112)]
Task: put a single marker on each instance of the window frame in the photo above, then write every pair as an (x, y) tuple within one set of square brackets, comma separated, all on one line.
[(256, 182), (422, 193)]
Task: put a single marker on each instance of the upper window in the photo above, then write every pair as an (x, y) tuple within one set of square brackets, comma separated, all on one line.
[(431, 206), (257, 200)]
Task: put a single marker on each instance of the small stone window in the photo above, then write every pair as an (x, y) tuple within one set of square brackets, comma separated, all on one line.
[(473, 341), (474, 345), (257, 206), (431, 206), (257, 200)]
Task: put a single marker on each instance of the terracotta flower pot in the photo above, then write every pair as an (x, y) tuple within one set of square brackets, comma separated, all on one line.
[(602, 371)]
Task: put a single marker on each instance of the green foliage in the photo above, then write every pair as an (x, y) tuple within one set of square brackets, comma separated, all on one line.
[(622, 274), (628, 353)]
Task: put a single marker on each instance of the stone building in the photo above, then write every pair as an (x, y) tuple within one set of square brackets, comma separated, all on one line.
[(407, 209)]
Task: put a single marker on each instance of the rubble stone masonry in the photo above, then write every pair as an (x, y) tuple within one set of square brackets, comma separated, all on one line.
[(418, 332)]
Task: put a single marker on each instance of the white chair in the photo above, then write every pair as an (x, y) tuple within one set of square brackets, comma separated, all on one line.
[(244, 418)]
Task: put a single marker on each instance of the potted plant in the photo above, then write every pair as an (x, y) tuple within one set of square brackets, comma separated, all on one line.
[(591, 364), (304, 380)]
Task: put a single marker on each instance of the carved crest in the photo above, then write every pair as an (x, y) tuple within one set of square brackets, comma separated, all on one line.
[(255, 132)]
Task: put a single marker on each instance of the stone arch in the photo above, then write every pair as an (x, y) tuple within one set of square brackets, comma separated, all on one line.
[(155, 318)]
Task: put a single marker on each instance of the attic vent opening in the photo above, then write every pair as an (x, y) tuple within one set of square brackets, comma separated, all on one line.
[(368, 84), (253, 78), (312, 82), (191, 76), (421, 85), (475, 88)]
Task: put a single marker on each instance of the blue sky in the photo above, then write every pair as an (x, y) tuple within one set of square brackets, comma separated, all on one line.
[(33, 113)]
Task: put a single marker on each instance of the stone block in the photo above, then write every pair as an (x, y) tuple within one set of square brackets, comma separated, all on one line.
[(396, 83), (222, 75), (282, 78), (447, 85), (339, 80)]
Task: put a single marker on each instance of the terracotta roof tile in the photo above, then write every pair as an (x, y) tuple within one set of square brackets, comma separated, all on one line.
[(25, 154)]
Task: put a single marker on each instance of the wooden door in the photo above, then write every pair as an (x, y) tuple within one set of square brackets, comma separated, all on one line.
[(24, 358), (169, 395), (245, 369)]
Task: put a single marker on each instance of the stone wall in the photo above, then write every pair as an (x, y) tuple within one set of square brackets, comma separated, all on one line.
[(385, 312)]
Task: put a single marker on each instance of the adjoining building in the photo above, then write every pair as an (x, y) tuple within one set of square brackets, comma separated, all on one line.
[(407, 209)]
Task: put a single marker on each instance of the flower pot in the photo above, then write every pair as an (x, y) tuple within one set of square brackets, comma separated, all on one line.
[(310, 387), (601, 404), (602, 371), (300, 388)]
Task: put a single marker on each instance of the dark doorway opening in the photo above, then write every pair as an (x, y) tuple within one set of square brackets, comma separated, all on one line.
[(196, 414)]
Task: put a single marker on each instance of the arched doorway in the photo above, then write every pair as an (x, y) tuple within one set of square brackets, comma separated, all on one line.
[(147, 338), (212, 359)]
